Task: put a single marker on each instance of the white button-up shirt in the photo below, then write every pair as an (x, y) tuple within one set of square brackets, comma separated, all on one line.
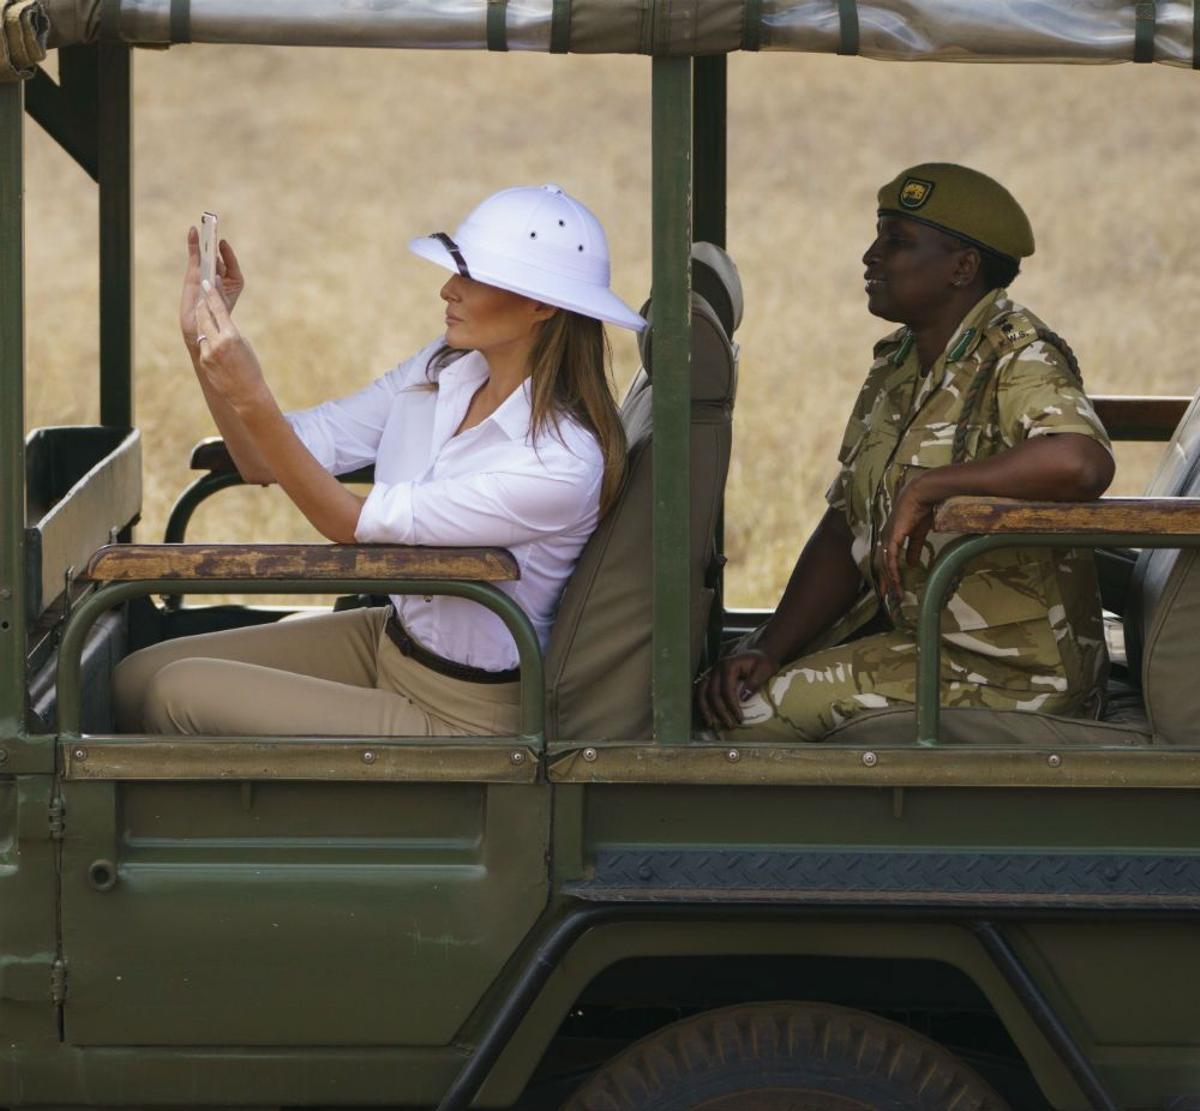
[(490, 485)]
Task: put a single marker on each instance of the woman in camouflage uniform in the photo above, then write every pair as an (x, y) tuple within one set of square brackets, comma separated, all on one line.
[(972, 395)]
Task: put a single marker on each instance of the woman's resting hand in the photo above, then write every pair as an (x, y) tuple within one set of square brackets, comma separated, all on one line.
[(1059, 466), (906, 528), (230, 282), (721, 691)]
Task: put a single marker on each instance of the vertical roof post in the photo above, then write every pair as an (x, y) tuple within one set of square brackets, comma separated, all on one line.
[(709, 180), (708, 130), (12, 412), (671, 125), (116, 235)]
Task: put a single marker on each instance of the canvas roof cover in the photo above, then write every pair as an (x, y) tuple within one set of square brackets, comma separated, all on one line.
[(941, 30)]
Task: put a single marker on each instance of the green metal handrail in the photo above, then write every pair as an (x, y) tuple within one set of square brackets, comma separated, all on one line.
[(70, 652), (202, 488), (954, 557), (199, 490)]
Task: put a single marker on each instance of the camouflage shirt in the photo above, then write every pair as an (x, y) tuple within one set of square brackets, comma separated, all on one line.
[(1028, 619)]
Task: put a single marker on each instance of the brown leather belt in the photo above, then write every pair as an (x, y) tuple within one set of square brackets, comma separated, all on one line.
[(414, 650)]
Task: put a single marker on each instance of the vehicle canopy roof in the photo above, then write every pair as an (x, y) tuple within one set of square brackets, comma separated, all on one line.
[(1076, 31)]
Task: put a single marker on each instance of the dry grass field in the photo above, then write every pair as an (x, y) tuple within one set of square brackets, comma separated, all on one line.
[(322, 164)]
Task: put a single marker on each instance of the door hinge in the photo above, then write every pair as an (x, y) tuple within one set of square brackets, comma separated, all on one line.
[(58, 818), (58, 981)]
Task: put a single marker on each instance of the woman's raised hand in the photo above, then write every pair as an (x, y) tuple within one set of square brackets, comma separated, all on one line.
[(230, 282), (720, 692), (225, 358)]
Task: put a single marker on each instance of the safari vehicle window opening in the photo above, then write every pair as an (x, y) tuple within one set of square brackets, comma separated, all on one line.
[(416, 923)]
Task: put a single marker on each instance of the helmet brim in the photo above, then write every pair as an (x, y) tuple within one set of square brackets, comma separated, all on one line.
[(582, 297)]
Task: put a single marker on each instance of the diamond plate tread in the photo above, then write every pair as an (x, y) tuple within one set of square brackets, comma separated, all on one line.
[(1116, 880)]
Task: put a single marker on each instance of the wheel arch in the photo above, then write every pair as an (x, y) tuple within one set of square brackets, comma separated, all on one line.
[(903, 942)]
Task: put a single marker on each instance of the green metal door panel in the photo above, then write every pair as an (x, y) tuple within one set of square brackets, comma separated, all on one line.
[(1128, 990), (293, 914), (890, 818), (28, 1011), (1129, 983)]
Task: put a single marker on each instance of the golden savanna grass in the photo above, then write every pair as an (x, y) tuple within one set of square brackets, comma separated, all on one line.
[(323, 163)]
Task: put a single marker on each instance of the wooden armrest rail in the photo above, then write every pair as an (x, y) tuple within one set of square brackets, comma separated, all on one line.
[(1135, 516), (283, 562), (1140, 418)]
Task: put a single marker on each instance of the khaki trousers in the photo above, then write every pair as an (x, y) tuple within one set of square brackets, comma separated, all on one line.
[(331, 674), (813, 695)]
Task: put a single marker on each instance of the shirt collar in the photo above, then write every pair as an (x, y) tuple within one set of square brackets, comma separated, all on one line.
[(516, 411), (968, 334), (513, 416)]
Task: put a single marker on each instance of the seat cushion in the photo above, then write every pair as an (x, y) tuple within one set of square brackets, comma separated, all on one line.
[(973, 725)]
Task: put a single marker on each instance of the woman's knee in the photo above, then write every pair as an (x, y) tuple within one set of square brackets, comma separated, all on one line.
[(131, 678), (177, 694)]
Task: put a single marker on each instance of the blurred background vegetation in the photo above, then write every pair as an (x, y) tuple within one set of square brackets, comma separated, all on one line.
[(322, 164)]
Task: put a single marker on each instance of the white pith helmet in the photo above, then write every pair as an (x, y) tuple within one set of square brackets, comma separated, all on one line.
[(539, 242)]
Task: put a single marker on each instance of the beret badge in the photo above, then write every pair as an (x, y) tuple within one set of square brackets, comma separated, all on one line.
[(915, 192)]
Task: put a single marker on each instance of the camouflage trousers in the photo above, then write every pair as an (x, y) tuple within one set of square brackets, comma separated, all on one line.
[(816, 693)]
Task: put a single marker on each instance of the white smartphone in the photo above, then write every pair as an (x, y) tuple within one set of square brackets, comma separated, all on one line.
[(208, 248)]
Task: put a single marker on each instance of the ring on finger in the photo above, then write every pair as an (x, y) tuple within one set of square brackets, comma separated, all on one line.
[(201, 338)]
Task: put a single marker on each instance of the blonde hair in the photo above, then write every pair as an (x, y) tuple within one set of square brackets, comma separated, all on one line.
[(571, 373)]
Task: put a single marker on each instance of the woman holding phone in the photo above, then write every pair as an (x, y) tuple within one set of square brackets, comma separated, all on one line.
[(502, 432)]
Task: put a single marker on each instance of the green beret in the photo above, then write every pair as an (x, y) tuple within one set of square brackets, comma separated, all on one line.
[(964, 203)]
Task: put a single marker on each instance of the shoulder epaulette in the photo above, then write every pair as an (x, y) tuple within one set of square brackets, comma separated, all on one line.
[(1013, 331)]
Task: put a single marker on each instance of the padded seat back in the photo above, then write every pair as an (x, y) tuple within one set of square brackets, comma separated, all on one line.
[(1181, 456), (1162, 628), (598, 666)]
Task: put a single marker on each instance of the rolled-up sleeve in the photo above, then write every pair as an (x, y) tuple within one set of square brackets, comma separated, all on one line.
[(1037, 395), (499, 508)]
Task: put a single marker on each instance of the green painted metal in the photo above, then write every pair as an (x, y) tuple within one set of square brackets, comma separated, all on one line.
[(364, 916), (199, 490), (709, 104), (12, 412), (114, 94), (940, 585), (709, 109), (212, 482), (85, 615), (51, 106), (671, 116), (28, 883)]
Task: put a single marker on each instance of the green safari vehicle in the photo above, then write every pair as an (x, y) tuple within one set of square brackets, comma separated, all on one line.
[(946, 910)]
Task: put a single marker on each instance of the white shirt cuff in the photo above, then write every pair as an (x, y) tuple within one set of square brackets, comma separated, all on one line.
[(387, 516)]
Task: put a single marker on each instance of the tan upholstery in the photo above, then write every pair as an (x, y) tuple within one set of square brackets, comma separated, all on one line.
[(1163, 633), (598, 666), (976, 725)]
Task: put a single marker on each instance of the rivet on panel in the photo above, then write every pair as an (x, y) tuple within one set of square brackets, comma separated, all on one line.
[(589, 754), (80, 754), (368, 757), (869, 759), (517, 757), (1054, 760), (733, 756)]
